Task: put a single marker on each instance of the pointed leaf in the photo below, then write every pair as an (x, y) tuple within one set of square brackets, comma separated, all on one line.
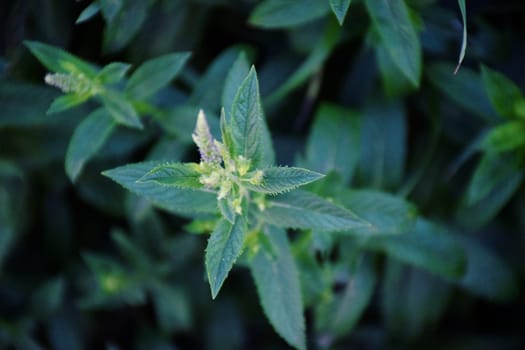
[(89, 136), (66, 102), (300, 209), (121, 110), (224, 247), (227, 210), (60, 61), (339, 8), (283, 179), (154, 74), (169, 198), (505, 137), (236, 76), (113, 72), (180, 175), (464, 37), (250, 136), (90, 11), (287, 14), (279, 291), (392, 22), (503, 92)]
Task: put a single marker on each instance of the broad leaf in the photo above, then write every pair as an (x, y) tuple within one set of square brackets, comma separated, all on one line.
[(172, 199), (66, 102), (250, 137), (333, 143), (113, 72), (180, 175), (505, 137), (427, 246), (502, 91), (236, 76), (391, 20), (224, 247), (286, 13), (395, 83), (59, 61), (154, 74), (121, 110), (278, 287), (283, 179), (303, 210), (339, 8), (464, 36), (89, 136), (386, 213)]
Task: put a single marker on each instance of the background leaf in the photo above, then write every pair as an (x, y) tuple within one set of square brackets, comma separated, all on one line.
[(339, 8), (286, 14)]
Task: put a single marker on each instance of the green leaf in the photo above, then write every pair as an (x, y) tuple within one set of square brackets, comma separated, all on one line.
[(464, 38), (427, 246), (505, 137), (89, 136), (283, 179), (227, 210), (250, 136), (333, 143), (391, 20), (169, 198), (395, 83), (113, 72), (386, 213), (236, 76), (7, 229), (58, 60), (154, 74), (278, 288), (66, 102), (90, 11), (274, 14), (180, 175), (487, 274), (495, 172), (303, 210), (502, 91), (224, 247), (121, 110), (339, 8), (48, 297), (172, 308), (123, 21), (341, 315), (465, 89), (383, 143)]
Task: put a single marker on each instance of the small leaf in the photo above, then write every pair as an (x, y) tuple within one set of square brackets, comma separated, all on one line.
[(300, 209), (339, 8), (173, 199), (154, 74), (113, 72), (274, 14), (278, 288), (502, 91), (66, 102), (236, 76), (392, 22), (224, 247), (464, 38), (180, 175), (227, 209), (249, 134), (283, 179), (505, 137), (60, 61), (121, 110), (88, 12), (89, 136)]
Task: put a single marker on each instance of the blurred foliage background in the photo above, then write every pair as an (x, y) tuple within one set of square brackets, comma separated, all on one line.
[(86, 265)]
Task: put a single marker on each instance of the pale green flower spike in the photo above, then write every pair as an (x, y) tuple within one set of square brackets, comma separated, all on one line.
[(75, 83), (205, 141)]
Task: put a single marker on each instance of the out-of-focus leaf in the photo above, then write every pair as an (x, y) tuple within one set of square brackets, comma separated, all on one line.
[(113, 72), (90, 11), (88, 138), (172, 308), (236, 76), (463, 49), (121, 110), (278, 287), (273, 14), (383, 148), (502, 91), (48, 297), (395, 83), (66, 102), (391, 20), (505, 137), (333, 144), (154, 74), (127, 19), (171, 199), (180, 122), (7, 229), (339, 8)]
